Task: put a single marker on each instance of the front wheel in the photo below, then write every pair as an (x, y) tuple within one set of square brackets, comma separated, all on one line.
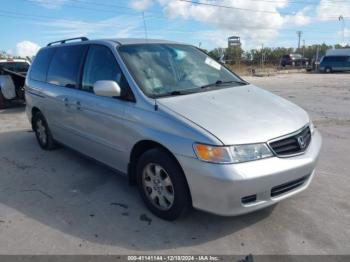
[(162, 184), (42, 132)]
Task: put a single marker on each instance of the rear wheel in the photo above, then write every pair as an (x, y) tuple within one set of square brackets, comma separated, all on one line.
[(42, 132), (328, 70), (162, 184), (2, 101)]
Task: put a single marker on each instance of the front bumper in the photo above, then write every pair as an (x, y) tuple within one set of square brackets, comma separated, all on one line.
[(219, 188)]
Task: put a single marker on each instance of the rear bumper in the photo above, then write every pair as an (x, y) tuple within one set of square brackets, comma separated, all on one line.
[(219, 189)]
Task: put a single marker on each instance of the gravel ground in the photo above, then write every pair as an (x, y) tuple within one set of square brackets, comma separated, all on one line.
[(61, 203)]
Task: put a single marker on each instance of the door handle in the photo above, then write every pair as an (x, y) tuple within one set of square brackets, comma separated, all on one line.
[(78, 105), (65, 101)]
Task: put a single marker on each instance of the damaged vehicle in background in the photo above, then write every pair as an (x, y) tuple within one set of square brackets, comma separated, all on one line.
[(12, 78), (294, 60)]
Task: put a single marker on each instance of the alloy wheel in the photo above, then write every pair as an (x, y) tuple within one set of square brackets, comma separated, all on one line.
[(158, 186), (41, 131)]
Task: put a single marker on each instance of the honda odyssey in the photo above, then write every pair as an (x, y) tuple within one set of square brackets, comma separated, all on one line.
[(183, 128)]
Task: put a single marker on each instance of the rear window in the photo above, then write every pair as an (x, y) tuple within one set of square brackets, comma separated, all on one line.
[(65, 66), (40, 64), (19, 67), (335, 59)]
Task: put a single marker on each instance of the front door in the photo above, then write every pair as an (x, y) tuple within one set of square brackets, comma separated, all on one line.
[(100, 120)]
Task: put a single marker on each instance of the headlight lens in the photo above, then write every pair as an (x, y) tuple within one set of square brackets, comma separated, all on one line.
[(232, 154), (312, 127), (243, 153)]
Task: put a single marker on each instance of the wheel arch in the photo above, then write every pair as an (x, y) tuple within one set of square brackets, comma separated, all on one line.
[(141, 147)]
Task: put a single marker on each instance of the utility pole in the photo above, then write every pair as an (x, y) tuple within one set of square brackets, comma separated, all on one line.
[(317, 60), (144, 25), (341, 19), (299, 33), (303, 47), (262, 56)]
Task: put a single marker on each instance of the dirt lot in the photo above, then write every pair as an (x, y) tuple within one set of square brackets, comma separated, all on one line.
[(61, 203)]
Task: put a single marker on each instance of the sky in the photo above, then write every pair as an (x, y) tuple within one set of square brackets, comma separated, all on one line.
[(27, 25)]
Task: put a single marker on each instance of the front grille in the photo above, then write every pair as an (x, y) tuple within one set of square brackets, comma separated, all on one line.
[(294, 144), (286, 187)]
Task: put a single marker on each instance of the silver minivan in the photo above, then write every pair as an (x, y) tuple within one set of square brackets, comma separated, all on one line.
[(182, 127)]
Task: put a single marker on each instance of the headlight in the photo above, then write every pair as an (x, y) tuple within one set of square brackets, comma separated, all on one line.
[(231, 154), (243, 153), (216, 154), (312, 127)]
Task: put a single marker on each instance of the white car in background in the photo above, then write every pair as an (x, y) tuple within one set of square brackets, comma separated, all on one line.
[(12, 78)]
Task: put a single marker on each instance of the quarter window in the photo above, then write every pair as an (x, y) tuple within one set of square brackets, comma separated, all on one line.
[(101, 65), (40, 64), (65, 66)]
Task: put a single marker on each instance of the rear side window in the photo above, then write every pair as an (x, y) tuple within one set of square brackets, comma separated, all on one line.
[(334, 59), (21, 67), (40, 64), (65, 66)]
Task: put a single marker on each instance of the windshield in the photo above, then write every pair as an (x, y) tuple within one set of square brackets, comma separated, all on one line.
[(297, 55), (174, 69)]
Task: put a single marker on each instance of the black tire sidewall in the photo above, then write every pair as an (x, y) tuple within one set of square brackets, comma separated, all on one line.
[(2, 100), (182, 199), (49, 141)]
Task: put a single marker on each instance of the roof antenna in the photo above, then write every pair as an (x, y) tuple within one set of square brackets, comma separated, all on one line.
[(144, 25), (155, 105)]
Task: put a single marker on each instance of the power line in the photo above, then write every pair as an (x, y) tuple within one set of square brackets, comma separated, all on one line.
[(96, 7), (80, 7), (295, 2), (231, 7), (34, 17), (241, 8)]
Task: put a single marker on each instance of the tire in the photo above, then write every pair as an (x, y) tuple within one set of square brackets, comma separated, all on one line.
[(167, 199), (42, 132), (328, 70), (2, 101)]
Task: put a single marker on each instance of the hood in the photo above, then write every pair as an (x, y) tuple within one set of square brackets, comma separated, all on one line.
[(239, 115)]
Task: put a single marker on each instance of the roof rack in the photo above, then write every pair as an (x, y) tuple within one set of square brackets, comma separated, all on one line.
[(66, 40)]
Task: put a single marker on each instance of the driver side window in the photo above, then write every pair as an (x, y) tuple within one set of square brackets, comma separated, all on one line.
[(101, 64)]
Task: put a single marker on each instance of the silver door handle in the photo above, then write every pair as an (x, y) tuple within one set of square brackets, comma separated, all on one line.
[(78, 104), (65, 101)]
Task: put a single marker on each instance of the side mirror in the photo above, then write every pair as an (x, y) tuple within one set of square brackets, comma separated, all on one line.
[(107, 88)]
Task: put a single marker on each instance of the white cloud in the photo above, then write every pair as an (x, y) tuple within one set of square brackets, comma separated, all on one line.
[(253, 27), (50, 4), (346, 36), (24, 49), (299, 18), (121, 26), (140, 5), (327, 10)]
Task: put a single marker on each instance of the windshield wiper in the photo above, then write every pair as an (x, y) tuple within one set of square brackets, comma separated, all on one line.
[(220, 82), (178, 92)]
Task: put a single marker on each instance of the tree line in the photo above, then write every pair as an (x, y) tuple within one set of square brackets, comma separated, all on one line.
[(267, 54)]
